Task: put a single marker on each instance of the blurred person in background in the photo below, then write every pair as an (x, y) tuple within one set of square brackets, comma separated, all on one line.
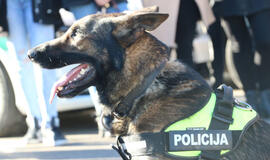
[(81, 8), (190, 12), (249, 24), (31, 22)]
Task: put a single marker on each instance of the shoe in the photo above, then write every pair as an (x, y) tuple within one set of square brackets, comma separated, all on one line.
[(33, 134), (53, 136)]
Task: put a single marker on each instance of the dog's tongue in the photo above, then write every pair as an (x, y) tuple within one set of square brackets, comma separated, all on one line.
[(65, 79)]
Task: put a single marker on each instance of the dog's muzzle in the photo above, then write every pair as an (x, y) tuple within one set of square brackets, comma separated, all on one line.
[(32, 55)]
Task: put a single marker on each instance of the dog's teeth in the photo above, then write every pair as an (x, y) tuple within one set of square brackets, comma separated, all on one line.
[(60, 88), (82, 71)]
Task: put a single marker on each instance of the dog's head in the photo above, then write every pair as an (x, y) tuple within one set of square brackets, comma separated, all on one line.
[(97, 43)]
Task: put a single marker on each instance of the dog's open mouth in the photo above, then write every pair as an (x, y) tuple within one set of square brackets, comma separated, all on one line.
[(75, 80)]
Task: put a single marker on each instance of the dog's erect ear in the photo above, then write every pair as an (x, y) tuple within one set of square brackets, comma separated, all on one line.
[(131, 26)]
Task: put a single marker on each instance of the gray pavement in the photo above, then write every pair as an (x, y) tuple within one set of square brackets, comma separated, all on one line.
[(83, 144)]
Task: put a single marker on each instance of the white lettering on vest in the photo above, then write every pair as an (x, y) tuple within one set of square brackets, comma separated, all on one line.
[(193, 142), (216, 142), (204, 141), (177, 139), (200, 139), (186, 139), (224, 140), (211, 139)]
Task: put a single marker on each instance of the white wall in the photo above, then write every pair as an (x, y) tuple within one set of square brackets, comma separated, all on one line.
[(166, 31)]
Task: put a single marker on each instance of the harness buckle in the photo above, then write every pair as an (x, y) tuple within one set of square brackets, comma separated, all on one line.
[(121, 149), (242, 105), (117, 115), (221, 118)]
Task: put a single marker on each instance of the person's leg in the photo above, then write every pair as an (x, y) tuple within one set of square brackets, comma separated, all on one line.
[(18, 35), (218, 38), (186, 28), (80, 11), (243, 53), (119, 8), (44, 78), (39, 33), (260, 24)]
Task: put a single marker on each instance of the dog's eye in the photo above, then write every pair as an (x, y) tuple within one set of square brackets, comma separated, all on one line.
[(74, 33)]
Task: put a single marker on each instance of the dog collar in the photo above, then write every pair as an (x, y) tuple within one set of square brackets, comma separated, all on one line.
[(209, 133), (122, 109)]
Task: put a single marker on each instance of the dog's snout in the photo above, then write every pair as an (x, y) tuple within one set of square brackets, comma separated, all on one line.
[(32, 55)]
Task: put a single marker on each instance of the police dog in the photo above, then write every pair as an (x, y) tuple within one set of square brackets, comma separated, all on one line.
[(134, 77)]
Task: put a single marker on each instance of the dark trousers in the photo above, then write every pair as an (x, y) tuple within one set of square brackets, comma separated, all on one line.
[(186, 30), (245, 45)]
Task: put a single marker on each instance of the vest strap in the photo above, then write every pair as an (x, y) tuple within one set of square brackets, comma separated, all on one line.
[(222, 117)]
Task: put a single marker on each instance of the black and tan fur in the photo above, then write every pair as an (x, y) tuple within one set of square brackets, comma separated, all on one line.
[(122, 53)]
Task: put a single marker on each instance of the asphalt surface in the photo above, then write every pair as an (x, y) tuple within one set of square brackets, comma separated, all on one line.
[(83, 143)]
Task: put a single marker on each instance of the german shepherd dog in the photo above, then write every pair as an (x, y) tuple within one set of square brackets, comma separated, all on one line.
[(131, 70)]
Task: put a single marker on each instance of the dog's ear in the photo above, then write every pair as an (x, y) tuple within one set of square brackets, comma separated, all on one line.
[(132, 25)]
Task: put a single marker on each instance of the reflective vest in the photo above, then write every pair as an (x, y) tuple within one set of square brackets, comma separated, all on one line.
[(193, 137), (242, 119)]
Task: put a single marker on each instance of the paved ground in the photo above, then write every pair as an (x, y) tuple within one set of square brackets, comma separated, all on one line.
[(83, 144)]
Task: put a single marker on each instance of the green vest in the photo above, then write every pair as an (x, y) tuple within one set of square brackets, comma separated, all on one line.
[(241, 117)]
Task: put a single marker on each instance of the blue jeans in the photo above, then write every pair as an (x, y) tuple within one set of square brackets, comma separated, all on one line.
[(91, 8), (36, 82), (84, 10)]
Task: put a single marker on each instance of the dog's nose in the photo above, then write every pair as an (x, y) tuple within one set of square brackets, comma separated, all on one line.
[(32, 55)]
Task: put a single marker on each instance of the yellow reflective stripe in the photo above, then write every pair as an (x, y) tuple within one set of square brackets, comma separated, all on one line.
[(186, 153)]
